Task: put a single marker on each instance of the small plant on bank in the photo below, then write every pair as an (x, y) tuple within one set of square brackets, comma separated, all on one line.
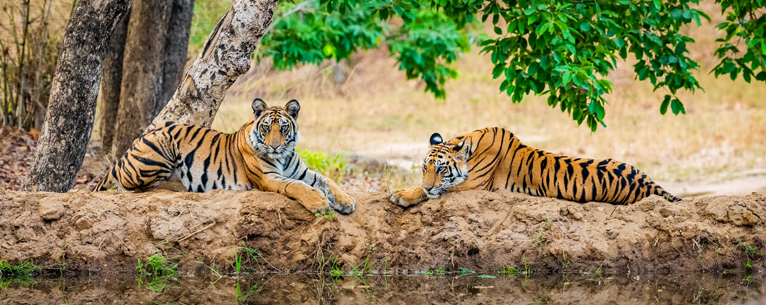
[(18, 274), (156, 272), (329, 215), (464, 271), (441, 272), (508, 271), (250, 254)]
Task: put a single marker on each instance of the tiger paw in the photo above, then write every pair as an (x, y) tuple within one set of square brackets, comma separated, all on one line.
[(316, 202), (407, 197), (344, 203)]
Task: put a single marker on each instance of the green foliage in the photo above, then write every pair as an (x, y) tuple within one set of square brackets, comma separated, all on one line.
[(568, 49), (745, 22), (423, 46), (464, 271), (18, 274), (508, 271), (158, 270), (334, 167), (241, 298)]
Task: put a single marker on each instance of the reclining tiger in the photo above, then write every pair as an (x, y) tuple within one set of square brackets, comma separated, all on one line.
[(494, 158), (260, 155)]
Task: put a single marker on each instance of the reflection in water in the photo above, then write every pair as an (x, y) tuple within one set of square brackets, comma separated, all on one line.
[(449, 289)]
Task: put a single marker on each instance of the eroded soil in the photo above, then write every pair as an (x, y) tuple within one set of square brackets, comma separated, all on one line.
[(478, 230), (449, 289)]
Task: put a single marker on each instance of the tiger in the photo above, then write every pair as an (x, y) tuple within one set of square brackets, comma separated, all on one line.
[(494, 158), (260, 155)]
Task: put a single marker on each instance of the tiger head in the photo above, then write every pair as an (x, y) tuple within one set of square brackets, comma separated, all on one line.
[(445, 165), (275, 131)]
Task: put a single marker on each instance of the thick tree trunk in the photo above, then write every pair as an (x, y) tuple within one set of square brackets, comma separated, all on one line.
[(224, 58), (155, 53), (71, 108), (176, 47), (111, 83)]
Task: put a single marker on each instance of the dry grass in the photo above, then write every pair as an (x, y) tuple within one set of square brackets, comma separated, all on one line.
[(378, 113)]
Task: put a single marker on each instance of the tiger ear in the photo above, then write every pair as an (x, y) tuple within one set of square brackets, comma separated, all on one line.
[(259, 106), (436, 139), (461, 146), (292, 107)]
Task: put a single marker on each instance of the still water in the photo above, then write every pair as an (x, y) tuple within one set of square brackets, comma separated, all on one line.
[(414, 289)]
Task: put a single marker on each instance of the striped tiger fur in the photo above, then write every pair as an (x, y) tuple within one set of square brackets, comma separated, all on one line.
[(260, 155), (494, 158)]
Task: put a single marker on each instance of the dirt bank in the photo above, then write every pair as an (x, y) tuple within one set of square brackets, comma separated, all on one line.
[(303, 289), (477, 230)]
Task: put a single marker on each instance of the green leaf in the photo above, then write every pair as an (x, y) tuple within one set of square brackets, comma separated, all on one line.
[(585, 26), (619, 42), (497, 71), (675, 14), (665, 103), (542, 7), (677, 107), (498, 31), (680, 48), (529, 11), (329, 50)]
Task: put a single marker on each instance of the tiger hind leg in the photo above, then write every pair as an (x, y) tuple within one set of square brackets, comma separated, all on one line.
[(149, 161)]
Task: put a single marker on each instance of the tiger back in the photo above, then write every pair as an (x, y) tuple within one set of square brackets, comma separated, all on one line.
[(494, 158), (260, 155)]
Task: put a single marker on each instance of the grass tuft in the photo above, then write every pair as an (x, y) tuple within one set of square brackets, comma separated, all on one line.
[(18, 274), (157, 272)]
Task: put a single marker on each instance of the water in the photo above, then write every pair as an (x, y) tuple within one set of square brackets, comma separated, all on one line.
[(411, 290)]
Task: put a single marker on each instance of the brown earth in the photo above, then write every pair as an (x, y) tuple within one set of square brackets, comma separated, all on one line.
[(478, 230), (303, 289)]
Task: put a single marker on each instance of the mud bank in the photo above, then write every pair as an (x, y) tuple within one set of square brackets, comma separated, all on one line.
[(306, 289), (476, 230)]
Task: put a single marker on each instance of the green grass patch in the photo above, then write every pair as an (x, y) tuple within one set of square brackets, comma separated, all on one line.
[(18, 274), (334, 167), (157, 272)]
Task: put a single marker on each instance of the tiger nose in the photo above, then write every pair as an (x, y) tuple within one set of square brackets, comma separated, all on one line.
[(274, 146), (428, 188)]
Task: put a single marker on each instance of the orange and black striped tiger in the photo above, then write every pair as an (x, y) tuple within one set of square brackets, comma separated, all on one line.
[(260, 155), (493, 159)]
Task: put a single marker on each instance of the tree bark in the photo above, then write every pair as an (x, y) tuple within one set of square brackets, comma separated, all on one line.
[(71, 108), (155, 54), (111, 83), (176, 48), (225, 56)]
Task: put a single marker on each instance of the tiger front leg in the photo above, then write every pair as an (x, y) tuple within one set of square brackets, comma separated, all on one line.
[(313, 199), (339, 200), (408, 197)]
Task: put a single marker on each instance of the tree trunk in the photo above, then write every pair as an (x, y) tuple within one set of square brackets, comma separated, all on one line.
[(111, 83), (72, 104), (225, 56), (155, 54), (176, 47)]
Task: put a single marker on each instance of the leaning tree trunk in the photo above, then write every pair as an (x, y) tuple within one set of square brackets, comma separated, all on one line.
[(155, 53), (225, 56), (72, 104), (111, 83)]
